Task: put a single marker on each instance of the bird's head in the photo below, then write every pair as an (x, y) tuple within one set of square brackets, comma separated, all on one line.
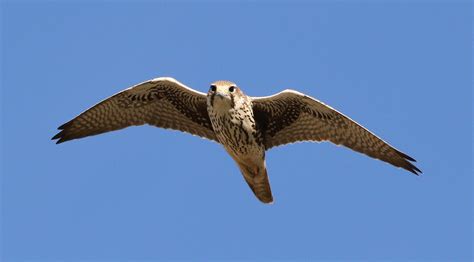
[(223, 95)]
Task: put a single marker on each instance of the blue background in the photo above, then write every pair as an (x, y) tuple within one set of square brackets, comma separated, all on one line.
[(402, 69)]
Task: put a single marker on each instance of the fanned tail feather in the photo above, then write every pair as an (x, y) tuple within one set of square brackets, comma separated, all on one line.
[(257, 179)]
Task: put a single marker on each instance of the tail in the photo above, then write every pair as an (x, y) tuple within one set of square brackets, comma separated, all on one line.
[(257, 179)]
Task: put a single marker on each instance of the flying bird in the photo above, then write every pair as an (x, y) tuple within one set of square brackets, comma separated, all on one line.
[(246, 126)]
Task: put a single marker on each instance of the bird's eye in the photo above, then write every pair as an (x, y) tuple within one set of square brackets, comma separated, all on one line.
[(213, 88), (231, 89)]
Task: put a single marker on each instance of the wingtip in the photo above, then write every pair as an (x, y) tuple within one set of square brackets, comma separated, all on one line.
[(413, 169), (418, 171), (57, 136), (408, 165), (60, 137), (64, 126), (406, 156), (59, 141)]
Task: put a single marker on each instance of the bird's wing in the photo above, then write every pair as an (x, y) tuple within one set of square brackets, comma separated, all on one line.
[(162, 102), (290, 116)]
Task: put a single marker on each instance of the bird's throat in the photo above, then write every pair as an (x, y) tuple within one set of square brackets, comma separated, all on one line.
[(221, 106)]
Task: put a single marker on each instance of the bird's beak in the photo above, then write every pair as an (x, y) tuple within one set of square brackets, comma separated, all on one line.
[(221, 95)]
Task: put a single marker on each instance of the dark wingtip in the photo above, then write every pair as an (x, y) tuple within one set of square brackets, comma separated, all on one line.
[(61, 136), (63, 126), (417, 170), (408, 165), (57, 136), (406, 156), (411, 167), (61, 140)]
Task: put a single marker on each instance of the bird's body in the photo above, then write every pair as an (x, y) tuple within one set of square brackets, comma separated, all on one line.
[(236, 129), (245, 126)]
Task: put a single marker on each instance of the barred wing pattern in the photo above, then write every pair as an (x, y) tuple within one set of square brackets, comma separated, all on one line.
[(290, 116), (162, 102)]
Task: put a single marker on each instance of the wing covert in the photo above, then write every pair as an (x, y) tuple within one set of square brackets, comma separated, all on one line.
[(290, 116), (162, 102)]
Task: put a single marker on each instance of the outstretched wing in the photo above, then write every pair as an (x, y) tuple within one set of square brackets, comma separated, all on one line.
[(162, 102), (290, 116)]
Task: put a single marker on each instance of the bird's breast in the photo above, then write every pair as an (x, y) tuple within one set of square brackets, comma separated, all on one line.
[(236, 130)]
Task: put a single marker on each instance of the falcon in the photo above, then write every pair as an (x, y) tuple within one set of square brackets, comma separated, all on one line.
[(246, 126)]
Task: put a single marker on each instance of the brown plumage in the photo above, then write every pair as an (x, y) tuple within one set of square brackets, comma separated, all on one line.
[(245, 126)]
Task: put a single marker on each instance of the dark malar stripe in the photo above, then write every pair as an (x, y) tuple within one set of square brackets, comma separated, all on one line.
[(212, 99), (232, 103)]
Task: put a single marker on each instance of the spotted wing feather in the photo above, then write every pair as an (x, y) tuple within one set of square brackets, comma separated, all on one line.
[(290, 116), (161, 102)]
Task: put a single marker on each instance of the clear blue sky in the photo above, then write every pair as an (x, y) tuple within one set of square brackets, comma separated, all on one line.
[(401, 69)]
